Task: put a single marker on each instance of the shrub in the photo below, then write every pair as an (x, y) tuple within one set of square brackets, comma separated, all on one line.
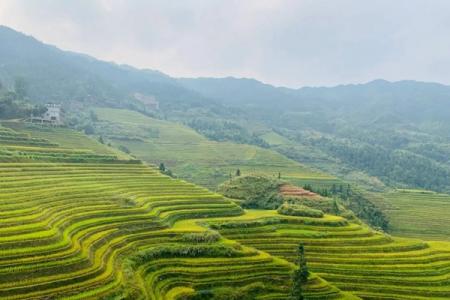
[(299, 210), (228, 293), (255, 191), (124, 149), (201, 237), (183, 251)]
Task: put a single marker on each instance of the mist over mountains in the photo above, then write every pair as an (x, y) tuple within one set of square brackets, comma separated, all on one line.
[(396, 132)]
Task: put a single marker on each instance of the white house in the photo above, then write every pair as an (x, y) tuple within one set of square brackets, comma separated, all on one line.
[(52, 116)]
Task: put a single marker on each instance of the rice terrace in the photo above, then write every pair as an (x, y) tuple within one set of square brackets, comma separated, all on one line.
[(120, 182)]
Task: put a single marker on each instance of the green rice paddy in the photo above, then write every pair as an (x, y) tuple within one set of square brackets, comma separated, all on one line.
[(83, 223), (193, 157)]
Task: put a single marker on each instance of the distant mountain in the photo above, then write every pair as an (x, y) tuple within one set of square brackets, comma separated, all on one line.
[(408, 100), (240, 91), (53, 75), (396, 132)]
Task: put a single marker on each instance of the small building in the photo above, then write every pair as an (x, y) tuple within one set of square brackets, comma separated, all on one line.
[(52, 116)]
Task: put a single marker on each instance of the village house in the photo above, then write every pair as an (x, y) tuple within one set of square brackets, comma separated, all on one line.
[(52, 116)]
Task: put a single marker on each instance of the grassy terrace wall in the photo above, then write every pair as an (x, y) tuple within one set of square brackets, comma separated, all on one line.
[(193, 157), (67, 230), (115, 229), (417, 213), (83, 224), (350, 256)]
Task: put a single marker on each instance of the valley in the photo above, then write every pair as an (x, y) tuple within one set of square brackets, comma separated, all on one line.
[(141, 185)]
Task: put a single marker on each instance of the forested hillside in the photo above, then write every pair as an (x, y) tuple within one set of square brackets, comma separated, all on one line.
[(376, 134), (396, 132)]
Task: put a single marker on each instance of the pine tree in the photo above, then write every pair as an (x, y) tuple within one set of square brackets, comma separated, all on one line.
[(334, 189), (336, 206), (238, 172), (349, 191), (162, 167), (300, 275)]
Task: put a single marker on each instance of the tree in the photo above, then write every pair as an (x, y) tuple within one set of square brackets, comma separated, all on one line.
[(334, 189), (300, 275), (238, 172), (89, 129), (101, 140), (335, 206), (279, 175), (123, 148), (162, 167)]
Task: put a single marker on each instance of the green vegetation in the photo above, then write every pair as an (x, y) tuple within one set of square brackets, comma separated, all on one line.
[(255, 191), (348, 254), (67, 227), (299, 210), (115, 229), (300, 275), (190, 155), (416, 213), (84, 218), (358, 201), (118, 229), (376, 134), (15, 104)]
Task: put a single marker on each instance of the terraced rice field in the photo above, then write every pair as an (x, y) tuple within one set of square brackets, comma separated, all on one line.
[(417, 213), (193, 157), (117, 228), (350, 256), (80, 224)]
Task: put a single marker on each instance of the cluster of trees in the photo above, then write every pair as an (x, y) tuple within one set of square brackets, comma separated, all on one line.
[(255, 191), (163, 169), (15, 103), (394, 167), (223, 130), (356, 202)]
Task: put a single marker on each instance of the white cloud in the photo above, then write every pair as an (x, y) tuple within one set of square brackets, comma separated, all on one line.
[(285, 42)]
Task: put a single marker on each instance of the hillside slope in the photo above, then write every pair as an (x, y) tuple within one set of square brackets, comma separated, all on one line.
[(77, 80), (193, 157), (378, 131), (416, 213), (77, 224)]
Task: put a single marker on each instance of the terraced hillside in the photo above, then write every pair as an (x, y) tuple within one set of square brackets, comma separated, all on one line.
[(417, 213), (193, 157), (349, 255), (22, 146), (115, 228), (78, 224)]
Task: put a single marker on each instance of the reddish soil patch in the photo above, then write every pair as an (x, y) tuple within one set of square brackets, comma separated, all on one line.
[(294, 191)]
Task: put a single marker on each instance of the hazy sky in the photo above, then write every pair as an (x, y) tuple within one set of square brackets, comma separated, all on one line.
[(292, 43)]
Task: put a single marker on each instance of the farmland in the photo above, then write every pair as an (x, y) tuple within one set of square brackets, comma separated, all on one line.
[(193, 157), (99, 228), (417, 213), (349, 255), (85, 224)]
